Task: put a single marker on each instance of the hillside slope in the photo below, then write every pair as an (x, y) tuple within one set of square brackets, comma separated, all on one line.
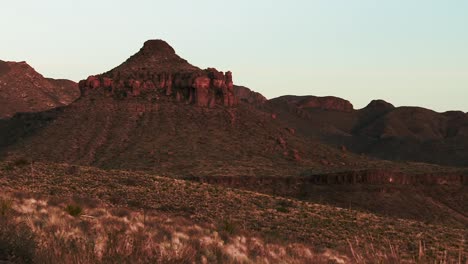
[(234, 213), (22, 89), (167, 137)]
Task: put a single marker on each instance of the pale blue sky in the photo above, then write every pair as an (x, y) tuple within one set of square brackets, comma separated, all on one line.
[(408, 52)]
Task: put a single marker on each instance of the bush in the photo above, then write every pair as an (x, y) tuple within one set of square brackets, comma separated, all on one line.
[(20, 162), (8, 167), (227, 229), (5, 206), (282, 209), (283, 206), (74, 210)]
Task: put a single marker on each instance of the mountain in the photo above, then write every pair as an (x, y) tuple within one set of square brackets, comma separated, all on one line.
[(22, 89), (380, 129), (157, 112), (231, 159), (156, 70)]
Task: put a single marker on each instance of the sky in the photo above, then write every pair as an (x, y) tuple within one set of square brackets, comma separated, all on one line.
[(407, 52)]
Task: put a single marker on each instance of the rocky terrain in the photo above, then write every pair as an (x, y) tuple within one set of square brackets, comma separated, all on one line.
[(22, 89), (206, 220), (159, 139), (156, 70)]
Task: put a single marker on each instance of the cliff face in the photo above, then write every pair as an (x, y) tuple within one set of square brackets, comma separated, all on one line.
[(157, 71), (22, 89)]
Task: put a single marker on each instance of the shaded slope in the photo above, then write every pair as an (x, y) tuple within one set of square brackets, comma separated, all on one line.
[(167, 137), (381, 130), (22, 89)]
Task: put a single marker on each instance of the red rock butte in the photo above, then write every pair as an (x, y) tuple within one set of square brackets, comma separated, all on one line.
[(156, 71)]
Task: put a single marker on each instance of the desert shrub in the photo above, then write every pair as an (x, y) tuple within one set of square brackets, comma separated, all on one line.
[(121, 212), (74, 210), (135, 203), (283, 206), (5, 207), (20, 162), (227, 229), (8, 167), (285, 203), (130, 181), (282, 209), (73, 170)]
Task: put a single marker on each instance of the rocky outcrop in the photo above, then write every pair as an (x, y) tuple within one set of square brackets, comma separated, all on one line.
[(379, 106), (156, 71)]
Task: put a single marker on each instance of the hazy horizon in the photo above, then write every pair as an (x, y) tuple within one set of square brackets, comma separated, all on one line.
[(407, 53)]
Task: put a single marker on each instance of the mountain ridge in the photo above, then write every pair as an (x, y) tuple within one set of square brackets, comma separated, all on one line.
[(23, 89)]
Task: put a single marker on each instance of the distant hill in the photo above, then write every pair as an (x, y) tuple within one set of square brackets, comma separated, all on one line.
[(22, 89), (380, 129)]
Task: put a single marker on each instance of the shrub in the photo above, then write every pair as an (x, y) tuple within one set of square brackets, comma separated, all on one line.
[(20, 162), (283, 206), (282, 209), (8, 167), (227, 228), (5, 206), (74, 210)]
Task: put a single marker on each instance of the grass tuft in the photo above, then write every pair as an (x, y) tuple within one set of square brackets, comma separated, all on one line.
[(74, 210), (5, 206)]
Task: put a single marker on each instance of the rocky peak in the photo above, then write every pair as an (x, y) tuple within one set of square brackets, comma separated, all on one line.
[(157, 71), (380, 105), (157, 46)]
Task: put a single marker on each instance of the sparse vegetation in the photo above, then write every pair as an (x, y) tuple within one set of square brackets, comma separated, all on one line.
[(74, 210), (228, 228), (254, 231), (20, 162), (5, 206), (283, 206)]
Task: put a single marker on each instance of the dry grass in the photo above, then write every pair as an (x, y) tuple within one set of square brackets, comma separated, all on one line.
[(137, 202), (39, 232)]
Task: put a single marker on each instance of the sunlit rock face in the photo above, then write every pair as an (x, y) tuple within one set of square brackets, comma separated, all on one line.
[(157, 71)]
